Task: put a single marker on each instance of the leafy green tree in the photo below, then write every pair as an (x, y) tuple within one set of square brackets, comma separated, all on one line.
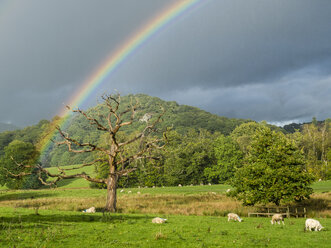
[(187, 156), (273, 172), (18, 152), (228, 158)]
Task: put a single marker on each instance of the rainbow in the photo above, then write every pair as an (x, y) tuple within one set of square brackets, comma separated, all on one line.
[(112, 62)]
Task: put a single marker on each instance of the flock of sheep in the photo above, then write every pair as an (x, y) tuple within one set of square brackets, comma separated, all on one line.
[(310, 224)]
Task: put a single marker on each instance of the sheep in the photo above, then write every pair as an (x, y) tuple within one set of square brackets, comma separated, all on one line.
[(159, 220), (277, 218), (138, 193), (122, 190), (312, 224), (228, 190), (89, 210), (179, 185), (235, 217)]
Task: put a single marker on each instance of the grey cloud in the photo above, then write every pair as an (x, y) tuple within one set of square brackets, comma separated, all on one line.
[(264, 60)]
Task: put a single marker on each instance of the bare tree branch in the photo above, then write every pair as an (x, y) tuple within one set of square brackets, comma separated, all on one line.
[(93, 121), (69, 141)]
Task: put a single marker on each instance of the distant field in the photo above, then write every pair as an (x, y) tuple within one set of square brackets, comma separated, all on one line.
[(75, 182), (322, 186), (23, 228), (319, 187)]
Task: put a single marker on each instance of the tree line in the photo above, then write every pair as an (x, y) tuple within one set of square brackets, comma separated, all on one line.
[(266, 156)]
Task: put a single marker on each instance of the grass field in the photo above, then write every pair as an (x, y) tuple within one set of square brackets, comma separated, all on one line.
[(23, 228), (53, 218)]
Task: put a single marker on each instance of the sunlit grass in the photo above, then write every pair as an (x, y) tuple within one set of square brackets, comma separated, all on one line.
[(24, 228)]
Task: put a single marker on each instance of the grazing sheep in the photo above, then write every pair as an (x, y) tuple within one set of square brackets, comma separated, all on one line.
[(138, 193), (159, 220), (129, 192), (277, 218), (179, 185), (235, 217), (312, 224), (89, 210), (228, 190), (122, 190)]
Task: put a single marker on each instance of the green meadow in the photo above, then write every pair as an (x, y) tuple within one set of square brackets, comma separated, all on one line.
[(51, 228), (196, 218)]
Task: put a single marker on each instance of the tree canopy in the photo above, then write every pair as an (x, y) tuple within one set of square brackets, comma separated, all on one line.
[(273, 171), (18, 152)]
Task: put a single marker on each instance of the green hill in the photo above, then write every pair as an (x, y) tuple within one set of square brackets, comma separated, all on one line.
[(180, 117)]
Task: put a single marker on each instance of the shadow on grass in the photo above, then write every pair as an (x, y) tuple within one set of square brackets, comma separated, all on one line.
[(66, 182), (317, 204), (66, 219), (314, 206), (23, 196)]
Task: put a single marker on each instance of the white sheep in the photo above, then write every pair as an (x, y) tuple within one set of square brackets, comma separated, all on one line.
[(228, 190), (235, 217), (159, 220), (179, 185), (312, 224), (277, 218), (89, 210)]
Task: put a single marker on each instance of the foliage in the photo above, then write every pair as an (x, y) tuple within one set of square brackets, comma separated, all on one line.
[(244, 134), (274, 171), (31, 134), (187, 156), (315, 141), (228, 159), (18, 152)]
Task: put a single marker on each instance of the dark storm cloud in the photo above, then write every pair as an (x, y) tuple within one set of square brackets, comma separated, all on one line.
[(230, 43), (264, 60)]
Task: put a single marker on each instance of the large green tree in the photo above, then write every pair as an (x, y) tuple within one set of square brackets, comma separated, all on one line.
[(273, 171)]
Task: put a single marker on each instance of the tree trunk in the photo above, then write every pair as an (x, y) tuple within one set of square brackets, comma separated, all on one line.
[(111, 193)]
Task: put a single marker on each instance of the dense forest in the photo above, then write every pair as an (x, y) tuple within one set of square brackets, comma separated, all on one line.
[(202, 147)]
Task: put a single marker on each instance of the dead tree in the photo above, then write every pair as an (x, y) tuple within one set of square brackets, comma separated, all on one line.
[(114, 154)]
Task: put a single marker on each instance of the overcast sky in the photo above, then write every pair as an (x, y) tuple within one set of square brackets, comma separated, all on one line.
[(263, 60)]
